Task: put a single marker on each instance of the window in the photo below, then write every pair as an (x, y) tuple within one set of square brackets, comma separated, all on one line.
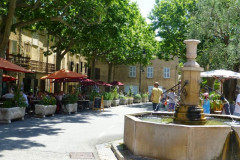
[(27, 48), (86, 68), (81, 67), (166, 72), (77, 67), (35, 39), (71, 66), (13, 47), (132, 71), (149, 72)]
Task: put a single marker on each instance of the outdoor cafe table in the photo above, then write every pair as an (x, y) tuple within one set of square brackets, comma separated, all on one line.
[(83, 104)]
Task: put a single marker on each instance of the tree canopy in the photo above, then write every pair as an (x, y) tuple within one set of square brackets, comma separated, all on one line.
[(170, 19)]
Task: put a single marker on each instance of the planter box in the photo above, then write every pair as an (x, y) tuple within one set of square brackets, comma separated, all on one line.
[(43, 110), (130, 100), (123, 101), (69, 108), (107, 103), (137, 100), (115, 102), (8, 114), (145, 99)]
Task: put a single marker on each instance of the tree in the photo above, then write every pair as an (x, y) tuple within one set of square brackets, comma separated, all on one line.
[(31, 12), (216, 24), (119, 39), (170, 19)]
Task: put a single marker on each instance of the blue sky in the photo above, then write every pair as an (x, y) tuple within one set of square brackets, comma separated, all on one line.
[(145, 6)]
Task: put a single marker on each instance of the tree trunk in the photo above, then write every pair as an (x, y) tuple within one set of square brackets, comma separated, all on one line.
[(229, 87), (93, 64), (5, 31), (59, 58), (110, 71)]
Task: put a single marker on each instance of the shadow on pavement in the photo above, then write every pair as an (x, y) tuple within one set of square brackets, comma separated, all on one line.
[(16, 135)]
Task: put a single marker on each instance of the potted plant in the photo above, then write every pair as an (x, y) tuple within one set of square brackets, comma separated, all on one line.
[(123, 100), (130, 95), (115, 101), (13, 108), (215, 102), (92, 95), (47, 107), (70, 103), (137, 98), (107, 99), (145, 97)]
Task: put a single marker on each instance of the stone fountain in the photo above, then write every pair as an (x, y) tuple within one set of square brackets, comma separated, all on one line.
[(187, 138)]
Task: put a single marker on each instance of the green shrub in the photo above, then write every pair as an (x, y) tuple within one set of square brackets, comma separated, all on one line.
[(137, 96), (121, 96), (107, 96), (70, 99), (18, 100), (92, 95), (7, 104), (130, 91), (48, 100), (115, 94), (145, 95)]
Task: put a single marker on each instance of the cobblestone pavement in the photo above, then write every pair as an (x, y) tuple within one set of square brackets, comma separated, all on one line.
[(54, 138)]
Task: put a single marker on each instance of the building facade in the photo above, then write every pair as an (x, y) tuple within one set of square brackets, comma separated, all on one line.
[(27, 48), (141, 80)]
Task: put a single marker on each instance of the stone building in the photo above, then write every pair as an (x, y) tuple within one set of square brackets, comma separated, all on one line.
[(26, 48), (164, 72)]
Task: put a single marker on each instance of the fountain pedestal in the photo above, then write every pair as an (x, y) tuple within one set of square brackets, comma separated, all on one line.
[(189, 112)]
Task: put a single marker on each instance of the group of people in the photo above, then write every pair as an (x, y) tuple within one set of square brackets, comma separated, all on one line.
[(170, 99)]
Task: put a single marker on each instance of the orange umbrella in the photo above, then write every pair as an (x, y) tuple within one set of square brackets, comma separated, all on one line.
[(63, 74), (9, 66), (6, 78)]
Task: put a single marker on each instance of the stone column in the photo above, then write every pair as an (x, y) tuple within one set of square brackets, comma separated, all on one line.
[(189, 111)]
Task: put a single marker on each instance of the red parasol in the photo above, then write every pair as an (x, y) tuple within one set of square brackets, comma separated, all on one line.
[(9, 66), (117, 83), (88, 82), (61, 74), (6, 78)]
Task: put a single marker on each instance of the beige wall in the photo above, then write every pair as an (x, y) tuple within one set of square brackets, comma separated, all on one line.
[(121, 73)]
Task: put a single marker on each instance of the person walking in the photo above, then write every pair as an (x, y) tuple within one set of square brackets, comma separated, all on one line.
[(237, 106), (171, 97), (156, 96)]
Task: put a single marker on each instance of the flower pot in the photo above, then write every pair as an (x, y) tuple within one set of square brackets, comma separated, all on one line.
[(8, 114), (137, 100), (144, 99), (130, 100), (70, 108), (107, 103), (123, 101), (115, 102), (43, 110)]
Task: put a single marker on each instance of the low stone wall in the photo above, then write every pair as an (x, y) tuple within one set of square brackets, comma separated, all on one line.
[(173, 141)]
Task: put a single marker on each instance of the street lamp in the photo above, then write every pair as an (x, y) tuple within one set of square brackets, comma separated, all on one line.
[(141, 70)]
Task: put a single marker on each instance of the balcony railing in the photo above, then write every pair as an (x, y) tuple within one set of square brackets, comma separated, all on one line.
[(41, 66), (19, 60)]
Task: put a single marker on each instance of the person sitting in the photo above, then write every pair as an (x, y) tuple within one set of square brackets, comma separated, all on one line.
[(9, 95)]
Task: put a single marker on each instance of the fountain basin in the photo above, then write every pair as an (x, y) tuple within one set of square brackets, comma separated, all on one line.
[(175, 141)]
